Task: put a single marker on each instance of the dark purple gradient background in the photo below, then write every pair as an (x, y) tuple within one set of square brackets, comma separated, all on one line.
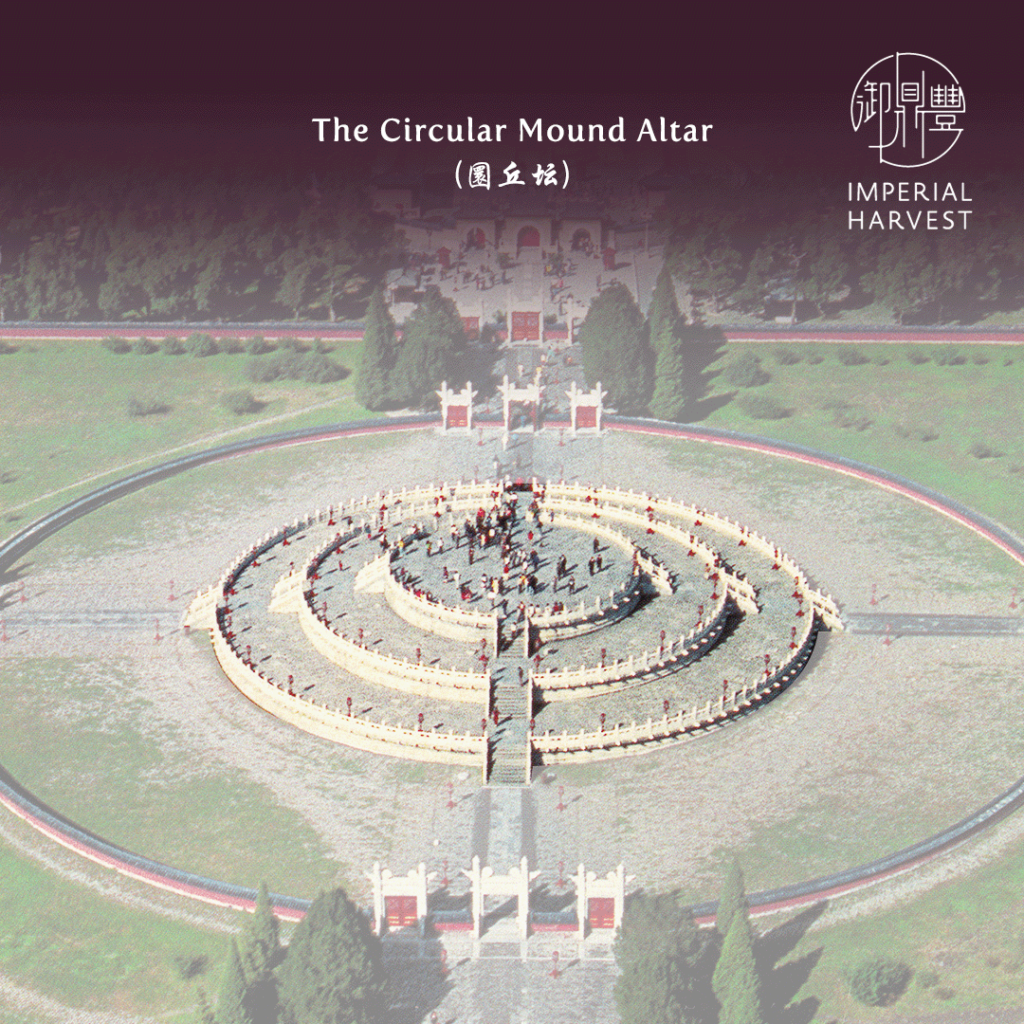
[(124, 84)]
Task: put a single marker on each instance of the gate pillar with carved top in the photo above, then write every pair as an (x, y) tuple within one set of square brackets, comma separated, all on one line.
[(399, 901), (456, 407)]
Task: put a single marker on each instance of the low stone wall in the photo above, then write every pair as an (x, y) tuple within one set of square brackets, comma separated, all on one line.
[(823, 603), (584, 618), (613, 741), (377, 737), (659, 575), (396, 673), (434, 617), (592, 681)]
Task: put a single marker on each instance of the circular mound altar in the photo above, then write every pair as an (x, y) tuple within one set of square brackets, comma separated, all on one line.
[(507, 625)]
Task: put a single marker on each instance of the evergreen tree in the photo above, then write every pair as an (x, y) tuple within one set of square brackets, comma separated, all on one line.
[(663, 314), (735, 980), (659, 953), (232, 1007), (826, 268), (616, 351), (259, 952), (374, 383), (732, 899), (333, 971), (433, 339), (900, 277), (754, 290), (702, 252), (669, 399)]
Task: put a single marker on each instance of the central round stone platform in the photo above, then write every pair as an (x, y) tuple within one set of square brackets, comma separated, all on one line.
[(507, 626), (515, 564)]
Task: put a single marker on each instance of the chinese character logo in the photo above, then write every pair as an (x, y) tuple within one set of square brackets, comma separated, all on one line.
[(909, 104)]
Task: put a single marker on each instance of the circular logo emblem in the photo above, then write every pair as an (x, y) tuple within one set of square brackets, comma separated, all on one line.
[(908, 104)]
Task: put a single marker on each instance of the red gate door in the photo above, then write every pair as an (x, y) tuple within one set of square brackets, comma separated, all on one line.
[(525, 326), (400, 911), (586, 416), (601, 911), (457, 415)]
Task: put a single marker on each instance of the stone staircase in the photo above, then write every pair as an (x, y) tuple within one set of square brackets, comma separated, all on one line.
[(509, 741)]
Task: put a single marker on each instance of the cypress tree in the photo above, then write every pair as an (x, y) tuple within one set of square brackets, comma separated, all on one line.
[(433, 340), (732, 899), (259, 952), (616, 350), (333, 970), (735, 980), (663, 314), (232, 1006), (669, 398), (659, 953), (374, 386)]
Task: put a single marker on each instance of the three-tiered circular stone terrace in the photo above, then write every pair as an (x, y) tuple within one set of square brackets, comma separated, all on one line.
[(510, 624)]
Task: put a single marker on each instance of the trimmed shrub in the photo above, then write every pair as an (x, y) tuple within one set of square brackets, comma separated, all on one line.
[(281, 365), (763, 407), (190, 966), (745, 371), (847, 416), (318, 368), (786, 357), (917, 356), (118, 345), (7, 349), (172, 346), (146, 407), (231, 346), (949, 357), (814, 357), (144, 347), (200, 345), (926, 979), (983, 450), (288, 364), (241, 403), (979, 357), (879, 981), (850, 355), (258, 345)]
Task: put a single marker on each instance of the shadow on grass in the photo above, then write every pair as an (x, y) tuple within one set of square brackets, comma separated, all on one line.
[(780, 982), (704, 346)]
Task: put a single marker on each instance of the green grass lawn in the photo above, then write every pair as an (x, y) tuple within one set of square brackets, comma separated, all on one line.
[(65, 421), (62, 939), (109, 767), (955, 428), (964, 940)]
